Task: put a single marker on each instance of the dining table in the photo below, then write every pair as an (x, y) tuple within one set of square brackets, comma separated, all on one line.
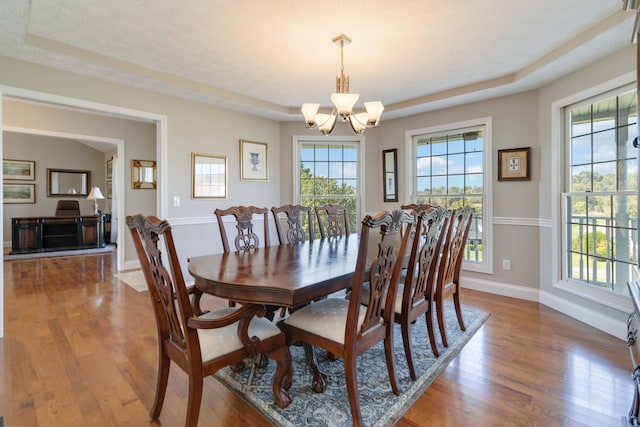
[(289, 275)]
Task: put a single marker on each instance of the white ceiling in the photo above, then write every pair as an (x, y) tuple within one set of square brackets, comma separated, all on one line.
[(267, 57)]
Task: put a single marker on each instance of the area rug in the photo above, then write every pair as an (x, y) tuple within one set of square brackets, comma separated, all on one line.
[(134, 279), (75, 252), (380, 407)]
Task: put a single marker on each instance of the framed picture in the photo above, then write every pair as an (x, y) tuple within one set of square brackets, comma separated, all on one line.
[(254, 161), (208, 176), (513, 164), (390, 175), (109, 169), (24, 170), (109, 188), (19, 193)]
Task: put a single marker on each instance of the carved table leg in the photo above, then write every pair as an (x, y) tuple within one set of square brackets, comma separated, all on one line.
[(319, 384)]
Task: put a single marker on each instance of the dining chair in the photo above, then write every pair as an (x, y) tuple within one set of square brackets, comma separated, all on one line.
[(332, 220), (200, 345), (245, 239), (448, 278), (346, 328), (293, 215), (416, 292)]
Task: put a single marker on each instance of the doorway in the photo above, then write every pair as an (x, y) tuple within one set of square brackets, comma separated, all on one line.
[(8, 92)]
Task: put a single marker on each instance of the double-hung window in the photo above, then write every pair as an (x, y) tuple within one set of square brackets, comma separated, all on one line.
[(450, 168), (328, 172), (600, 205)]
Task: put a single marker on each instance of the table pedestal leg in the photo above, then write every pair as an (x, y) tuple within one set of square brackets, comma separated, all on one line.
[(319, 384)]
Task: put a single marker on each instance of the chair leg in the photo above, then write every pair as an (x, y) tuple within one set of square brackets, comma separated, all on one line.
[(164, 364), (352, 389), (195, 398), (456, 303), (428, 316), (391, 364), (283, 377), (406, 340), (440, 315)]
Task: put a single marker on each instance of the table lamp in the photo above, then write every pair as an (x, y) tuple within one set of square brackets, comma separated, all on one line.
[(94, 195)]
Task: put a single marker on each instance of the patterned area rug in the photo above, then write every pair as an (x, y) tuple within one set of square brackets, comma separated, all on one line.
[(380, 407), (134, 279)]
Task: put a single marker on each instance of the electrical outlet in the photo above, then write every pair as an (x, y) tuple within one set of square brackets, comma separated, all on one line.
[(506, 264), (176, 201)]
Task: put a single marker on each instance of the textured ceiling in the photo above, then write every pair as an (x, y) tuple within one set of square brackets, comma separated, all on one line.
[(267, 57)]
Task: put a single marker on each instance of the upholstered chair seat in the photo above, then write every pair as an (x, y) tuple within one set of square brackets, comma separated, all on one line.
[(220, 341), (326, 318)]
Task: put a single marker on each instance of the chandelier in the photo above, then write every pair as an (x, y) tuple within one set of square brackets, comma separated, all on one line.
[(343, 102)]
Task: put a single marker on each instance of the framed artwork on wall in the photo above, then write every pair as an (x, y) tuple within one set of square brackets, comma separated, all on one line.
[(19, 193), (390, 175), (254, 161), (208, 176), (23, 170), (109, 169), (513, 164), (109, 189)]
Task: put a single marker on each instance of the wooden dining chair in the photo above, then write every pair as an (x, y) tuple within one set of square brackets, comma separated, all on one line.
[(415, 293), (346, 328), (245, 239), (332, 220), (200, 345), (448, 278), (293, 215)]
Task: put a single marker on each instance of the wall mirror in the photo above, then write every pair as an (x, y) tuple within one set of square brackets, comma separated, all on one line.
[(208, 176), (143, 174), (68, 183)]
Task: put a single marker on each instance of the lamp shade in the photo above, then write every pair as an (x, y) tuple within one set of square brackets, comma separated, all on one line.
[(344, 102), (309, 111), (374, 110), (95, 194)]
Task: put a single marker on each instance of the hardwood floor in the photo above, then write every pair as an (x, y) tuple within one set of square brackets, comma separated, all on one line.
[(80, 350)]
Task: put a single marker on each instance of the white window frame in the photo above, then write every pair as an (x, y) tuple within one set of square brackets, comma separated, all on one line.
[(558, 166), (486, 265), (298, 140)]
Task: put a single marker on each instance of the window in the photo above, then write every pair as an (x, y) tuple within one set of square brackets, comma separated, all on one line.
[(600, 207), (449, 169), (328, 172)]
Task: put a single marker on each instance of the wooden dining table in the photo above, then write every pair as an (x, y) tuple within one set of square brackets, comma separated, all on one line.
[(289, 276)]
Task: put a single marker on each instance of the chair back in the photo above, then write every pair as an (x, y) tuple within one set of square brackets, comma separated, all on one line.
[(167, 289), (294, 215), (245, 239), (381, 273), (68, 208), (453, 252), (429, 235), (332, 220)]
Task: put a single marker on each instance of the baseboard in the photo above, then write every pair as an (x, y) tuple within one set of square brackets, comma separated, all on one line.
[(614, 327), (585, 315), (504, 289), (131, 265)]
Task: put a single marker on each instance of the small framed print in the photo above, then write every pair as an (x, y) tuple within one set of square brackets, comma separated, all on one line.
[(513, 164), (254, 161), (22, 170), (109, 169), (109, 189), (19, 193), (390, 174)]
